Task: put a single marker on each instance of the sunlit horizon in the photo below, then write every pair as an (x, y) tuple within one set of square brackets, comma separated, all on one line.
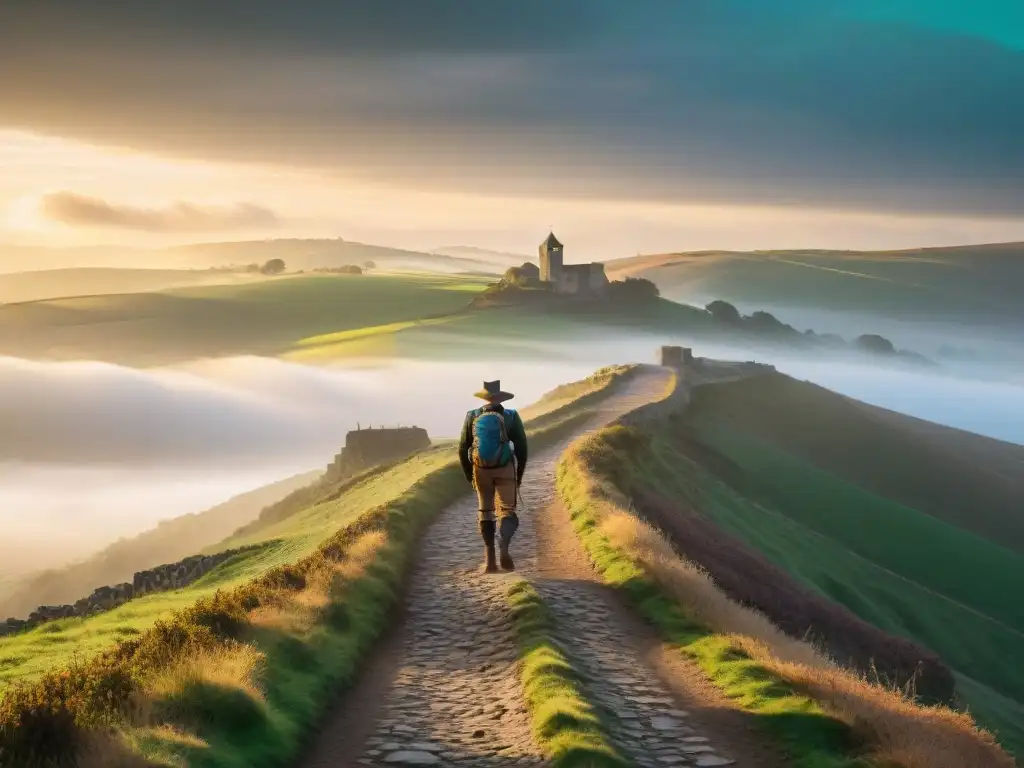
[(306, 204)]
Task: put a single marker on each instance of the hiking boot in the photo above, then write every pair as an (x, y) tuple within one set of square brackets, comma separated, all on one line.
[(487, 533), (508, 528)]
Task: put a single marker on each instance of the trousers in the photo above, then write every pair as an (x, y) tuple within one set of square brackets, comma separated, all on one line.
[(495, 491)]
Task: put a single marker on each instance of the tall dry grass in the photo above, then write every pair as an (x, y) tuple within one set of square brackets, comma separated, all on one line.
[(298, 612), (901, 731), (235, 666)]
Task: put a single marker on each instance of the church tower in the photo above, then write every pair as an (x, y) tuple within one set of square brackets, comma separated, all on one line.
[(550, 259)]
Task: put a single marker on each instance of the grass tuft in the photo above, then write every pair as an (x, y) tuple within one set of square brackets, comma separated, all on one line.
[(564, 723)]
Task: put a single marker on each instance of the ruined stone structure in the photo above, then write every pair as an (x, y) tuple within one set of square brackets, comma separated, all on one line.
[(365, 448), (574, 279), (159, 579), (676, 357)]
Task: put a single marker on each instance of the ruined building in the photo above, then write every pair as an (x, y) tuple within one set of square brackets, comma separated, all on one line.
[(365, 448), (676, 357), (576, 279)]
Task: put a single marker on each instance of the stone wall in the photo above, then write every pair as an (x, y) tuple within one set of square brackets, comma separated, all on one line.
[(160, 579), (365, 448)]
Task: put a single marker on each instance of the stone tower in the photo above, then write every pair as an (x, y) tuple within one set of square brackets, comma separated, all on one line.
[(551, 259)]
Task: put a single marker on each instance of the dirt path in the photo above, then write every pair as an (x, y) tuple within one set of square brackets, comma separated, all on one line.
[(445, 690)]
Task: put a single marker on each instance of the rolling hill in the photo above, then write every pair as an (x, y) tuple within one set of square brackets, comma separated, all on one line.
[(264, 317), (321, 318), (500, 259), (39, 285), (298, 254), (975, 285), (914, 528)]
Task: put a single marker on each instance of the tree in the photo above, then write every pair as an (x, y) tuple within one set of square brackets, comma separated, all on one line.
[(513, 276), (633, 290), (369, 265), (724, 311), (273, 267)]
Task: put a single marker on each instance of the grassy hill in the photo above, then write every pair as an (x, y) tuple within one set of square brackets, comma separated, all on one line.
[(39, 285), (871, 510), (500, 259), (969, 284), (168, 542), (969, 481), (266, 317), (321, 318), (298, 254)]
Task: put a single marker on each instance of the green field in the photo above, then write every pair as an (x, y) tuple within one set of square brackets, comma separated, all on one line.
[(265, 318), (330, 318), (319, 319), (905, 571), (971, 284), (527, 331)]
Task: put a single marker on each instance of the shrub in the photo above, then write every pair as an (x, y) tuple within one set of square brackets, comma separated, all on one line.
[(633, 290), (724, 312), (273, 267)]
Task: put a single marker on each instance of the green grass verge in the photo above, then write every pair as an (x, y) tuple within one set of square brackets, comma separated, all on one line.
[(564, 722), (810, 737), (305, 670), (886, 562)]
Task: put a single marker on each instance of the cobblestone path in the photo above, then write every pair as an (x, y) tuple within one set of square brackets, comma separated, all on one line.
[(456, 699)]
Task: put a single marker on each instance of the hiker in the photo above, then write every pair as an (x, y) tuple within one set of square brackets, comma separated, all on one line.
[(493, 455)]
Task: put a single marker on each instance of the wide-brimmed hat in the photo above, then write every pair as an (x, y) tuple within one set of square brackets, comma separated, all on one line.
[(492, 391)]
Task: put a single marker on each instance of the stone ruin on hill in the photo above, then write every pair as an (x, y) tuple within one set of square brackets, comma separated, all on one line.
[(682, 357), (365, 448), (160, 579), (676, 357)]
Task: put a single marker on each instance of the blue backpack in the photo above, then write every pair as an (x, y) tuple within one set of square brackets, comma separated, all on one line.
[(491, 446)]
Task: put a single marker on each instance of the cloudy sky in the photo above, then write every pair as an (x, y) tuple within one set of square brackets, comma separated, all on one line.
[(666, 124)]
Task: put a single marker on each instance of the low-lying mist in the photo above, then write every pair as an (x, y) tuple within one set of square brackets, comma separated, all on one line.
[(988, 351), (91, 452)]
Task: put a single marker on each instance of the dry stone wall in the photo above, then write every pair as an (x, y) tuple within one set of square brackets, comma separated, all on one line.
[(160, 579)]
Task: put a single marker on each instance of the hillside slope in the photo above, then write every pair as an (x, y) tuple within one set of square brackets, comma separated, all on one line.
[(265, 317), (298, 254), (824, 489), (168, 542), (38, 285), (969, 481), (969, 284)]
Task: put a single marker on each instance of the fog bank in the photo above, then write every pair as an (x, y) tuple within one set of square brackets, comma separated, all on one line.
[(91, 452)]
